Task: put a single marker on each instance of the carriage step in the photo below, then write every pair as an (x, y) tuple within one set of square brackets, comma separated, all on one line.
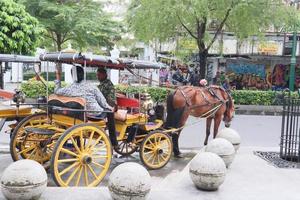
[(39, 131)]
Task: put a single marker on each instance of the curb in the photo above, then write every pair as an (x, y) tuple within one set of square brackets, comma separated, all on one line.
[(258, 110), (4, 148)]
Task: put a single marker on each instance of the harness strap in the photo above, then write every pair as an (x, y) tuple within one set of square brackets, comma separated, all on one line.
[(212, 92), (212, 111), (185, 97)]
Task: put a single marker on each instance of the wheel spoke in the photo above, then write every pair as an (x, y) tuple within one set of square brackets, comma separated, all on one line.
[(150, 157), (81, 141), (152, 162), (67, 160), (100, 148), (27, 149), (146, 153), (90, 139), (153, 145), (79, 176), (97, 164), (147, 147), (68, 169), (99, 156), (86, 176), (32, 154), (159, 139), (75, 145), (72, 175), (164, 157), (93, 172), (68, 152), (123, 147), (96, 142)]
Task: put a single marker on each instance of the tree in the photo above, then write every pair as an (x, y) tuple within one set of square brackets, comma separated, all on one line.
[(165, 19), (19, 32), (82, 23)]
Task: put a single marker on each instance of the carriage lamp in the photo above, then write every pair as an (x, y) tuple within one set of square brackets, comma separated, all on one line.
[(146, 102), (18, 97)]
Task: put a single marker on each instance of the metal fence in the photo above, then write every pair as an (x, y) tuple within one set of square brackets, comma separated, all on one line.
[(290, 130)]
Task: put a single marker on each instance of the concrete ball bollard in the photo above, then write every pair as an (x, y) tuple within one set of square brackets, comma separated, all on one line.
[(129, 181), (24, 180), (207, 171), (230, 135), (222, 148)]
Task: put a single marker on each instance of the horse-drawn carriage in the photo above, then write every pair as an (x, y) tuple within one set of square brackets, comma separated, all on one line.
[(76, 146)]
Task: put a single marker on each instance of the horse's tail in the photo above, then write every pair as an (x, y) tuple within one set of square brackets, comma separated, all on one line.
[(173, 115)]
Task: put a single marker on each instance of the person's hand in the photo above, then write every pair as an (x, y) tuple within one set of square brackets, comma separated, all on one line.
[(115, 108)]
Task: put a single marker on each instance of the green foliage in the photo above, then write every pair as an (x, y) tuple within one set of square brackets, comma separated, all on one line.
[(52, 76), (157, 94), (33, 89), (162, 19), (82, 23), (19, 32), (176, 19), (250, 97)]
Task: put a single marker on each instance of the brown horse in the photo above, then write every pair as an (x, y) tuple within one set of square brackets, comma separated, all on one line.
[(213, 103)]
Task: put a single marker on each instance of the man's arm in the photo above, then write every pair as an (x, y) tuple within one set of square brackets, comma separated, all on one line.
[(111, 98), (101, 99), (59, 90)]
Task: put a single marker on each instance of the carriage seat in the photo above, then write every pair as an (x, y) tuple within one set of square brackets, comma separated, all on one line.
[(69, 103)]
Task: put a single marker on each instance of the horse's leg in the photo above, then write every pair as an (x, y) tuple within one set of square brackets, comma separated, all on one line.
[(208, 125), (217, 122), (175, 136)]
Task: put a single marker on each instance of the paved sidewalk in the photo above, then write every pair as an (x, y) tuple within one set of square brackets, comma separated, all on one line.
[(248, 178)]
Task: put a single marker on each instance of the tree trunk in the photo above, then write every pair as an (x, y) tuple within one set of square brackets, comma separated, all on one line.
[(58, 65), (202, 60)]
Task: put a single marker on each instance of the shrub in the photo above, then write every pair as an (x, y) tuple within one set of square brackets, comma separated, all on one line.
[(33, 89), (157, 94), (52, 76)]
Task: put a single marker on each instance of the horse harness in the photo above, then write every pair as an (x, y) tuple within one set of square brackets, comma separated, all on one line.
[(216, 106)]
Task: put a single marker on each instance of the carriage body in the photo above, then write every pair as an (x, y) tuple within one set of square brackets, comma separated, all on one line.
[(76, 148), (18, 110)]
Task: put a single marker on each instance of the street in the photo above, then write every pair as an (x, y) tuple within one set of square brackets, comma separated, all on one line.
[(257, 131)]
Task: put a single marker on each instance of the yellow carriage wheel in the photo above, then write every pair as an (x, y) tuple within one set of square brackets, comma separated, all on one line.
[(30, 146), (125, 148), (81, 157), (156, 150)]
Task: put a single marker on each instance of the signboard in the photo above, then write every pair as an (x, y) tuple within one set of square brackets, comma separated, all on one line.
[(268, 48)]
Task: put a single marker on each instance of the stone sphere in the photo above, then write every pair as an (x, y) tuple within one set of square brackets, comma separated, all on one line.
[(129, 181), (207, 171), (230, 135), (222, 148), (23, 180)]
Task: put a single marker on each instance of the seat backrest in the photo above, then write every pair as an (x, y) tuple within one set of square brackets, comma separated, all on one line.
[(69, 103), (66, 102)]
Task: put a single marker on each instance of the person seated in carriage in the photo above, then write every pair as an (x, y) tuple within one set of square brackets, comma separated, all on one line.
[(94, 99)]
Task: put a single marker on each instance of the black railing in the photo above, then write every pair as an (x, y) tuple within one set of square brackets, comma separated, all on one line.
[(290, 130)]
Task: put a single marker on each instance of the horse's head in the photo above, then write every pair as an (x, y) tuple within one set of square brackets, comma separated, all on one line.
[(229, 113)]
